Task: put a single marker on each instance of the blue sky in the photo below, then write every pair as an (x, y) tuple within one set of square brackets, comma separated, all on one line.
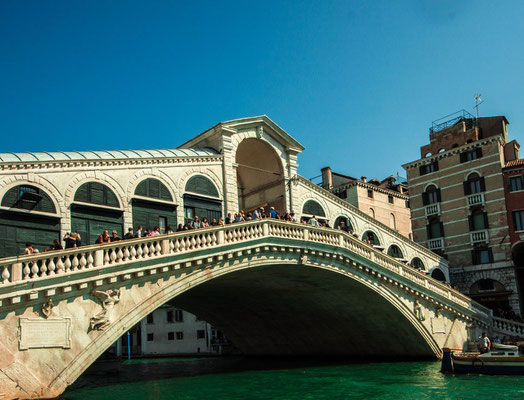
[(356, 82)]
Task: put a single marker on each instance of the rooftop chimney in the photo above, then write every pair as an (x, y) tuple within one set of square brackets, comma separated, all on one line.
[(327, 178), (363, 179)]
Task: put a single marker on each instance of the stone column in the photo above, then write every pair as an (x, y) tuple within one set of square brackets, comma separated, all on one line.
[(291, 187), (230, 174)]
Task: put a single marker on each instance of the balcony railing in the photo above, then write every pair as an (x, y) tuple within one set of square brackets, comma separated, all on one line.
[(475, 199), (436, 244), (479, 236), (433, 209)]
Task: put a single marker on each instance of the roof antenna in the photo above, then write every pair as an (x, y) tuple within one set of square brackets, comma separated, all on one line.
[(478, 102)]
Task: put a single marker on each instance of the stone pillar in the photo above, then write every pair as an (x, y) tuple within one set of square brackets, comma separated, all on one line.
[(230, 174), (291, 186)]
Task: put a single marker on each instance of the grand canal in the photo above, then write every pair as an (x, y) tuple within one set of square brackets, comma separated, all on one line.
[(254, 379)]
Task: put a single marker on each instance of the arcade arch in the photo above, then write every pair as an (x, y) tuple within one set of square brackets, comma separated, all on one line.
[(260, 176), (201, 199), (153, 206)]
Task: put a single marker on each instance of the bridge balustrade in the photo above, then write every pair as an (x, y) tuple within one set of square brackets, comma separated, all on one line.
[(508, 327), (71, 261)]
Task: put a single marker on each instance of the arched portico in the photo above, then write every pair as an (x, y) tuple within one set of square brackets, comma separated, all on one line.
[(260, 176)]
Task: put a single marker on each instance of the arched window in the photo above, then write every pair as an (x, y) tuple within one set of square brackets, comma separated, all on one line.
[(311, 207), (474, 184), (201, 185), (371, 212), (438, 275), (371, 237), (431, 195), (394, 251), (199, 201), (153, 188), (96, 193), (346, 223), (27, 197), (392, 221), (478, 220), (417, 264)]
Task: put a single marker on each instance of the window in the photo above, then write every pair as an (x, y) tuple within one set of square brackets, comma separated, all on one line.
[(372, 213), (431, 195), (370, 193), (394, 251), (179, 316), (150, 337), (407, 204), (435, 229), (516, 183), (370, 237), (201, 334), (474, 184), (482, 256), (518, 220), (169, 316), (180, 335), (417, 263), (150, 318), (392, 221), (471, 155), (478, 221), (390, 199), (486, 284), (428, 168), (170, 335), (162, 223), (189, 212)]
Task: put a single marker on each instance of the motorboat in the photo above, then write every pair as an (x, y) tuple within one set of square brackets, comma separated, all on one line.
[(502, 359)]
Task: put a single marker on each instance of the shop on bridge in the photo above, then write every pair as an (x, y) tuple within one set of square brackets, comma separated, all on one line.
[(201, 199), (312, 209), (27, 215), (153, 206), (95, 209)]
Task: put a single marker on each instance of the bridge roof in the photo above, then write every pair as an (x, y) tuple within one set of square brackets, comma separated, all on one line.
[(105, 155)]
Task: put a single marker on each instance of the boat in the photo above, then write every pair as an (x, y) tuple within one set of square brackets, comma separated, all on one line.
[(501, 360)]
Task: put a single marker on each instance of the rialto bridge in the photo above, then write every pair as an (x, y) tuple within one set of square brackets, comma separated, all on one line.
[(273, 287)]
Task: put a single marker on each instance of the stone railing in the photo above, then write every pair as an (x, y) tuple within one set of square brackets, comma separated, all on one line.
[(432, 209), (479, 236), (354, 210), (475, 199), (508, 327), (96, 257)]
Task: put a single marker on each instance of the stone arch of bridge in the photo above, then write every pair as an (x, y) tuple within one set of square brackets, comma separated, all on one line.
[(337, 280), (260, 176)]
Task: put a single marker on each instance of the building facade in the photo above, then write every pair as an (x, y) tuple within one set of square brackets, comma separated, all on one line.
[(387, 201), (458, 206)]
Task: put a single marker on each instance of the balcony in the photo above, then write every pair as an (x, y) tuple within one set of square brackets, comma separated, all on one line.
[(436, 244), (479, 236), (475, 199), (432, 209)]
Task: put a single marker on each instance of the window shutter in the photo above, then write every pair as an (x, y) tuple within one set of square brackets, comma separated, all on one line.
[(470, 221), (479, 152), (422, 170), (436, 165), (482, 184), (424, 198), (490, 252), (463, 157), (428, 231), (467, 188), (439, 199), (474, 258), (508, 183), (486, 224), (441, 229)]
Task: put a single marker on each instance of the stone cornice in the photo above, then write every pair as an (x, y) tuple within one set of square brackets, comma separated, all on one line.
[(369, 186), (373, 221), (449, 153), (161, 161)]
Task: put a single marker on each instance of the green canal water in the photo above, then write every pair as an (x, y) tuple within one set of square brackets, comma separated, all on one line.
[(255, 379)]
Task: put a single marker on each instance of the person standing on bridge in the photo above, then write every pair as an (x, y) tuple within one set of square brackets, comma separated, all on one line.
[(484, 343)]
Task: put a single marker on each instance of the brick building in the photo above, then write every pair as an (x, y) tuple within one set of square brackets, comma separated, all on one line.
[(458, 206), (386, 200)]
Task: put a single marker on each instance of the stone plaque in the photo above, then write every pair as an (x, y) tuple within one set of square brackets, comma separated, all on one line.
[(36, 333), (438, 325)]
